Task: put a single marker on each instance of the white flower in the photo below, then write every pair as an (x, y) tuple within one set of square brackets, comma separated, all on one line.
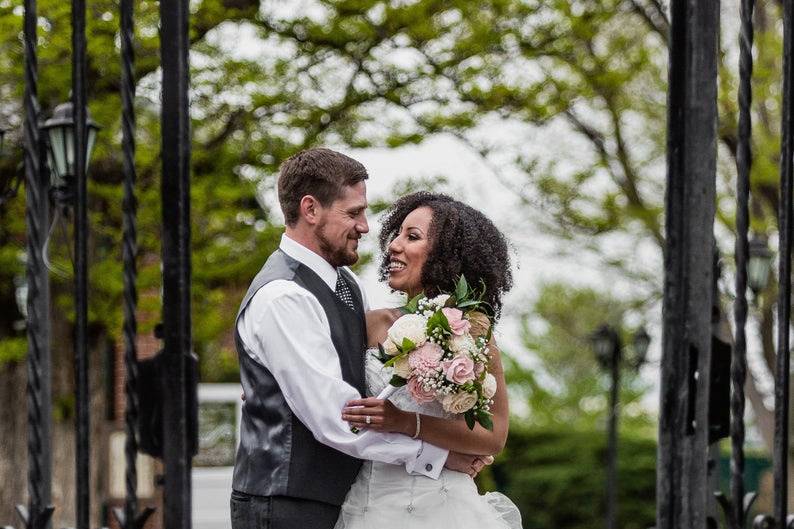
[(411, 326), (462, 344), (489, 386), (390, 347), (458, 402), (402, 368), (439, 300)]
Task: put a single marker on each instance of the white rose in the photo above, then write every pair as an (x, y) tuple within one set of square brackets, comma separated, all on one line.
[(458, 402), (390, 347), (411, 326), (402, 368), (440, 300), (489, 386), (462, 344)]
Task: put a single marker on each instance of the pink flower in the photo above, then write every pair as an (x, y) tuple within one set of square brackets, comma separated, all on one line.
[(459, 370), (458, 325), (479, 367), (419, 393), (425, 358)]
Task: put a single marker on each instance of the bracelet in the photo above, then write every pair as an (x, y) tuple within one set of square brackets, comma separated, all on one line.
[(418, 426)]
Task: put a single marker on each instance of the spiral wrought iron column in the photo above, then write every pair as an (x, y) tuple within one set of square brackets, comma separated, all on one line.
[(779, 518), (128, 517), (39, 511), (682, 491), (736, 509), (177, 391)]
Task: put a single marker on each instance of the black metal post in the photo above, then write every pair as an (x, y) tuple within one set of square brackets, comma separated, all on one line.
[(82, 427), (781, 446), (39, 511), (176, 262), (736, 514), (682, 489), (612, 440), (128, 517)]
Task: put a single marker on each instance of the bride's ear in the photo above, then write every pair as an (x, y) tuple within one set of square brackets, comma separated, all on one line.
[(309, 209)]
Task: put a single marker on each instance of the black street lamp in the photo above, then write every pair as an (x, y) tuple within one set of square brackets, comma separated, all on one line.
[(60, 150), (2, 140), (608, 349), (759, 264)]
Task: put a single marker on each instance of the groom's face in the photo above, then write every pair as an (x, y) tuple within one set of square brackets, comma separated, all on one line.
[(341, 225)]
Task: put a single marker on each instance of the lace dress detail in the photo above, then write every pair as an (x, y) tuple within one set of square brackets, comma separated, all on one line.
[(387, 497)]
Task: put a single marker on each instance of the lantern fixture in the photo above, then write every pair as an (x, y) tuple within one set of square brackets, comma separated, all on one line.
[(759, 264), (60, 149)]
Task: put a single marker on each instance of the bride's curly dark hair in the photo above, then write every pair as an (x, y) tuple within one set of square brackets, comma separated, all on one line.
[(464, 241)]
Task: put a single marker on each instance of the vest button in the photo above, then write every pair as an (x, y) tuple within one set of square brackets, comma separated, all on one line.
[(410, 508)]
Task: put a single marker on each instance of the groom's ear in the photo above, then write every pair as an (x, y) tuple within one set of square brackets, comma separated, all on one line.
[(309, 209)]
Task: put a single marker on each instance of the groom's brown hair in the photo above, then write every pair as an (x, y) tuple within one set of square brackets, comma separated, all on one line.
[(319, 172)]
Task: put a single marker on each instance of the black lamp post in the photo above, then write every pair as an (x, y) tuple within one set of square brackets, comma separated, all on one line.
[(60, 150), (608, 348), (759, 264), (2, 140)]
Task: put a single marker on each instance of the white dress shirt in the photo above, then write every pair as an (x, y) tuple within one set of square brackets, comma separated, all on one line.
[(285, 329)]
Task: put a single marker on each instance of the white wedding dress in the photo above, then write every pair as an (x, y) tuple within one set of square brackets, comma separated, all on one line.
[(387, 497)]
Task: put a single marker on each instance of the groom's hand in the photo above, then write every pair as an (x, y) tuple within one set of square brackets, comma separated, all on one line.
[(467, 463)]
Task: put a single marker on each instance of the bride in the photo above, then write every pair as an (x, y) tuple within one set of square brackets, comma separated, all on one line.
[(428, 241)]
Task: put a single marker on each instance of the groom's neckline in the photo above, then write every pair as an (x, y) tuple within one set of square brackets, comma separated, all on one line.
[(315, 262)]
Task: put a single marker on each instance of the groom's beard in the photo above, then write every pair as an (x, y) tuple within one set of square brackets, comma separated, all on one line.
[(335, 256)]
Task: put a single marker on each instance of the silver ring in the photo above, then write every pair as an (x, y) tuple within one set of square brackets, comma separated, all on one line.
[(368, 419)]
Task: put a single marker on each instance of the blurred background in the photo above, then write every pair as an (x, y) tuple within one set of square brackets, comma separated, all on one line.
[(547, 115)]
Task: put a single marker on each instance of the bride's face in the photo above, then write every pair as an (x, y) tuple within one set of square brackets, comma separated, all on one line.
[(409, 250)]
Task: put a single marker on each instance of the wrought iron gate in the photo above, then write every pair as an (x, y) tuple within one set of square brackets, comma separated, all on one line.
[(684, 497), (179, 395)]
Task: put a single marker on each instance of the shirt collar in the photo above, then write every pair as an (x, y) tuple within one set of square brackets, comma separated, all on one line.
[(315, 262)]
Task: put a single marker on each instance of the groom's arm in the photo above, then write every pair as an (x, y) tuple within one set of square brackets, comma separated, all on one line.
[(285, 329)]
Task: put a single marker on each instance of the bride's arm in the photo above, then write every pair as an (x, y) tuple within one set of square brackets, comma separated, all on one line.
[(452, 434)]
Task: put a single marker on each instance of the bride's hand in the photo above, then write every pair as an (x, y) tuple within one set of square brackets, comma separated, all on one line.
[(383, 416)]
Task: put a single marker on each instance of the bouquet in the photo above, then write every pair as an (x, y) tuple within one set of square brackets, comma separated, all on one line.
[(439, 349)]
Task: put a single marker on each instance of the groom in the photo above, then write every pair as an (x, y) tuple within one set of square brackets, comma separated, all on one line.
[(301, 336)]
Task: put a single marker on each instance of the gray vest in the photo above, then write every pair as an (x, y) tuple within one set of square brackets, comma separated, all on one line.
[(278, 455)]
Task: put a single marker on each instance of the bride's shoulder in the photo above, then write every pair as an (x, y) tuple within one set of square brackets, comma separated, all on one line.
[(378, 322)]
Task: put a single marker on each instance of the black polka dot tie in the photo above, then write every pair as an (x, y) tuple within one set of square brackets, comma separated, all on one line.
[(343, 291)]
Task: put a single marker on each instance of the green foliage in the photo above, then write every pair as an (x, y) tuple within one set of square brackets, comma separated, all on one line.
[(567, 387), (556, 478)]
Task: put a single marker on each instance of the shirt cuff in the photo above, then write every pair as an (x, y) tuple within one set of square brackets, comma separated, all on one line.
[(429, 461)]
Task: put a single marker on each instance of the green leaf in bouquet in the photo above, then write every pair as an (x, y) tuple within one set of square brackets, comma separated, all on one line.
[(390, 362), (438, 320), (383, 356), (469, 303), (462, 288), (469, 416), (413, 304), (397, 381), (407, 346), (485, 420)]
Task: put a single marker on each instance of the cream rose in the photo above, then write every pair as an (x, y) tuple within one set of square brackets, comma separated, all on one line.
[(411, 326), (402, 368), (462, 344), (390, 347), (489, 386), (458, 402)]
